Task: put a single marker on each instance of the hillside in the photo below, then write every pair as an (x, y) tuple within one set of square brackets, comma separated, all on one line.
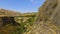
[(4, 12), (47, 19), (29, 14), (20, 18)]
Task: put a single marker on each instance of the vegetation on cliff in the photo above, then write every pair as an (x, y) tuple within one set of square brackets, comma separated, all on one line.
[(24, 20)]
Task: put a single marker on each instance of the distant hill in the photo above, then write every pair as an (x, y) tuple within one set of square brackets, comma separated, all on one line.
[(4, 12), (29, 14)]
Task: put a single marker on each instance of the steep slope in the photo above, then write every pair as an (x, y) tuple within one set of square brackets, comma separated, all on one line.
[(48, 19)]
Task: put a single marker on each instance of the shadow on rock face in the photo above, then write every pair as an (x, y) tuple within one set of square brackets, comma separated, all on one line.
[(8, 20)]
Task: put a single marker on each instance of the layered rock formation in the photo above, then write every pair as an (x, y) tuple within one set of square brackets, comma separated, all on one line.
[(48, 19), (7, 16), (7, 22)]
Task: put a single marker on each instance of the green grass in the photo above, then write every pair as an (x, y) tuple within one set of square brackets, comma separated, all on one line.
[(23, 26)]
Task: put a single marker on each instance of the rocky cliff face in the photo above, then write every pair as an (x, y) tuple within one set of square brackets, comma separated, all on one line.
[(7, 22), (48, 18), (7, 16)]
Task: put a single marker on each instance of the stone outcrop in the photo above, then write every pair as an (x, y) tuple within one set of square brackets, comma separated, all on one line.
[(7, 16), (48, 19), (7, 22)]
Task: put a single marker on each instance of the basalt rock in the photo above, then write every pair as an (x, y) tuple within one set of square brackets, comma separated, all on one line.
[(7, 17), (48, 19), (8, 20)]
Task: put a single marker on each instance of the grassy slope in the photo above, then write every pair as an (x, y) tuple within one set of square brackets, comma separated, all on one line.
[(4, 12), (24, 26)]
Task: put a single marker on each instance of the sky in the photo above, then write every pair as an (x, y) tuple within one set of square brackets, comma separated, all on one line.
[(21, 5)]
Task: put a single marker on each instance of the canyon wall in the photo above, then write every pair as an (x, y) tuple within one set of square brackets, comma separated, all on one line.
[(48, 19)]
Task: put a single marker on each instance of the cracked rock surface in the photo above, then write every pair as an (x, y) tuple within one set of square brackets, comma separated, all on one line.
[(48, 19)]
